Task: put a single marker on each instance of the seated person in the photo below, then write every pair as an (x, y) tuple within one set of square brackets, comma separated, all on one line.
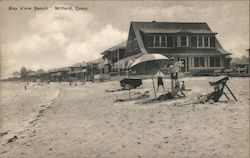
[(178, 88), (173, 94), (183, 87), (214, 96)]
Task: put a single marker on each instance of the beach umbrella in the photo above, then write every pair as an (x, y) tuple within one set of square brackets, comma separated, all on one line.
[(126, 63), (149, 57), (123, 64)]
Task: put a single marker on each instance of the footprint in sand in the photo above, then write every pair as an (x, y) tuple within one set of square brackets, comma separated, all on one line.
[(227, 146), (150, 122), (3, 133), (157, 146), (14, 138), (165, 140)]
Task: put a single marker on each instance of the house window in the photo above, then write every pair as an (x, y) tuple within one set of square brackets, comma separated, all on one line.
[(184, 41), (205, 41), (193, 41), (115, 56), (212, 41), (121, 53), (163, 41), (200, 42), (199, 62), (157, 41), (170, 41), (109, 55), (215, 62), (175, 41)]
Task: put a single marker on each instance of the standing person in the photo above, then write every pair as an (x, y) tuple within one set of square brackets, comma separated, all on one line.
[(25, 87), (160, 83)]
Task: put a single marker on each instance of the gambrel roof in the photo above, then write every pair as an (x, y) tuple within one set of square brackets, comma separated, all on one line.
[(142, 28)]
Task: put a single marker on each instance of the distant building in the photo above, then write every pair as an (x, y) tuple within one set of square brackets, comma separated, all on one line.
[(59, 74), (241, 65), (115, 53), (77, 71), (195, 44), (31, 75), (94, 68)]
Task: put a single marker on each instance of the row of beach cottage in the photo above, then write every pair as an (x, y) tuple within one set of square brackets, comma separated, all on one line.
[(194, 44)]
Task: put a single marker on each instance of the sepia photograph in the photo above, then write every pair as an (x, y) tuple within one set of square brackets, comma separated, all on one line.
[(124, 79)]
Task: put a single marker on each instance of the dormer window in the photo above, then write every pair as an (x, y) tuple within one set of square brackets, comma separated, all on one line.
[(157, 41), (194, 42), (206, 44), (200, 41), (212, 41), (184, 41), (163, 41), (170, 41)]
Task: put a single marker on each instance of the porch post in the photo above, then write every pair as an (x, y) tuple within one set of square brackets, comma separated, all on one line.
[(118, 54)]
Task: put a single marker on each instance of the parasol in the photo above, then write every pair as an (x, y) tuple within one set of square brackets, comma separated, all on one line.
[(149, 57)]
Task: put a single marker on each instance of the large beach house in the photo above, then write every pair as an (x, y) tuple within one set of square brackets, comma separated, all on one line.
[(195, 44)]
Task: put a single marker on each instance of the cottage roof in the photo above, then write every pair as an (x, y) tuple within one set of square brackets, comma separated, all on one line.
[(63, 69), (220, 49), (31, 73), (141, 28), (173, 26), (82, 64), (96, 61), (240, 61), (121, 45), (176, 30)]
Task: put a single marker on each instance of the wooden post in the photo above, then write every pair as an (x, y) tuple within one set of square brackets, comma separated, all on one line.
[(154, 86), (129, 84), (118, 54), (92, 73), (172, 85)]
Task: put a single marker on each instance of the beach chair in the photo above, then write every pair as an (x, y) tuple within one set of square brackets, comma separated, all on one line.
[(219, 83)]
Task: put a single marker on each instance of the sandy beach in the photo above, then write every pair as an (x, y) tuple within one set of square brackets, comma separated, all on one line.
[(85, 121)]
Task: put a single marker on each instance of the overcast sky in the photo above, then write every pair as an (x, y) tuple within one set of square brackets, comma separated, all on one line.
[(52, 38)]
